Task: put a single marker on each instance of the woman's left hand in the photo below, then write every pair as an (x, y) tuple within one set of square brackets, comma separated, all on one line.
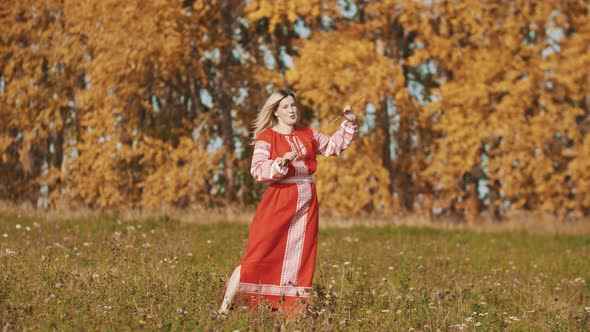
[(348, 113)]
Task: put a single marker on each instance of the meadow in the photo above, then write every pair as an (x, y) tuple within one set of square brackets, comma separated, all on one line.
[(107, 274)]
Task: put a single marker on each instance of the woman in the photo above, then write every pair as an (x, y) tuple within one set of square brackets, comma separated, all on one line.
[(280, 255)]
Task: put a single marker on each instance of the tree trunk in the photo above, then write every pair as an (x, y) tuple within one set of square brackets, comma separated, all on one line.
[(225, 103), (383, 125)]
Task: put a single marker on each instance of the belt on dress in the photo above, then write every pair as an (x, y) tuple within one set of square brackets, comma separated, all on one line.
[(297, 179)]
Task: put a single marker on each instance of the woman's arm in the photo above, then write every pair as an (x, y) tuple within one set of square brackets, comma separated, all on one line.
[(263, 168), (340, 140)]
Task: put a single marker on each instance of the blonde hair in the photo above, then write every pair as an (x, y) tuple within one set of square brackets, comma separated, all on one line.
[(266, 116)]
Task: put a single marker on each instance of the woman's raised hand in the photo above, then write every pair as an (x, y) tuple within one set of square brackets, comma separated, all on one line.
[(347, 112)]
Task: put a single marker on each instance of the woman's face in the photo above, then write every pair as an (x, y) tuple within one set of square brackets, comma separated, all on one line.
[(287, 113)]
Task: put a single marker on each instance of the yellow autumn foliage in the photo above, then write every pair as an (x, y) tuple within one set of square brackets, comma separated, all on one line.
[(354, 183), (469, 106)]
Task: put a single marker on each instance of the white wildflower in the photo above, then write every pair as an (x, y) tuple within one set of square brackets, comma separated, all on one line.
[(18, 226)]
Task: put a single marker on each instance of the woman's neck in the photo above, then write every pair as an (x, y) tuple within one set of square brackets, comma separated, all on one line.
[(283, 128)]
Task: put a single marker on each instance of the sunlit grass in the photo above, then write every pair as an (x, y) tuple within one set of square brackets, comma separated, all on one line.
[(108, 274)]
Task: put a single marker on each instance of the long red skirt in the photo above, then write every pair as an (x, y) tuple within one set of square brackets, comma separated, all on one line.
[(279, 261)]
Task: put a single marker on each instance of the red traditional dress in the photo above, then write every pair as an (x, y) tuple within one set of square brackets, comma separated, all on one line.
[(280, 255)]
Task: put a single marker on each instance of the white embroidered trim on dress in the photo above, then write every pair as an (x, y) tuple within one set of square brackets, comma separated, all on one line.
[(349, 129), (277, 169), (297, 179), (300, 168), (275, 290), (332, 147), (296, 236), (262, 151)]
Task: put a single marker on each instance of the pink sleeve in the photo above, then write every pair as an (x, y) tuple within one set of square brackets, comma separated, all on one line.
[(340, 140), (263, 168)]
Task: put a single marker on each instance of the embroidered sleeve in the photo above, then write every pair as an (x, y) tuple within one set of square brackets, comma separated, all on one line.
[(338, 142), (263, 168)]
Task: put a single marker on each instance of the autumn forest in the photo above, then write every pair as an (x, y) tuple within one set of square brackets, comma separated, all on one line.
[(470, 108)]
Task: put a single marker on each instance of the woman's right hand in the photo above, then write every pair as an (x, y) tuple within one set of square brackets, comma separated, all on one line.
[(288, 158)]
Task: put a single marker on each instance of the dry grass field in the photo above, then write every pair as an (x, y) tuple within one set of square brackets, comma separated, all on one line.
[(110, 273)]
